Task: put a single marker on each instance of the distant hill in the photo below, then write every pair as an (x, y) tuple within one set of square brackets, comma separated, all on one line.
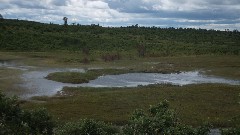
[(19, 35)]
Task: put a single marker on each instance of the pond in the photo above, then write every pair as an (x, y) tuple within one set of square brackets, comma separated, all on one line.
[(35, 80), (35, 84)]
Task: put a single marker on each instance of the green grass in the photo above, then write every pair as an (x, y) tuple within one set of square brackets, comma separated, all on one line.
[(8, 77), (195, 104), (77, 77)]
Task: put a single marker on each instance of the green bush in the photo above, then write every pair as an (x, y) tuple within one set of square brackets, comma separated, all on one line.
[(160, 120), (15, 121), (39, 121)]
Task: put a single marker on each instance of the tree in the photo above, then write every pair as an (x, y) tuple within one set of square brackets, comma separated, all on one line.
[(1, 17), (65, 20)]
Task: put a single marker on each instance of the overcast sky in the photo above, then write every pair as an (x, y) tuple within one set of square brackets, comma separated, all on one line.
[(209, 14)]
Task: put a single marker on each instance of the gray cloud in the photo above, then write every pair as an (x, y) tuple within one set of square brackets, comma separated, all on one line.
[(59, 2), (27, 4)]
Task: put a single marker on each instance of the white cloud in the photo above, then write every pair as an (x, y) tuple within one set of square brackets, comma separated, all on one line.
[(172, 13), (197, 21), (172, 5), (76, 10), (217, 26)]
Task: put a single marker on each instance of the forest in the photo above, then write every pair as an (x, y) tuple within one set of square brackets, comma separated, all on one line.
[(20, 35)]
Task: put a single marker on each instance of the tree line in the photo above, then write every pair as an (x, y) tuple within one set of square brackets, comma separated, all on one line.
[(19, 35)]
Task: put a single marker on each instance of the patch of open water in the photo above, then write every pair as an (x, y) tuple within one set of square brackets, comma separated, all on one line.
[(39, 86), (36, 85)]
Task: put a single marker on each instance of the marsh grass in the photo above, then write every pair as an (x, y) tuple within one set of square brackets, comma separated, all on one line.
[(77, 77), (8, 77), (195, 104), (85, 77), (224, 66)]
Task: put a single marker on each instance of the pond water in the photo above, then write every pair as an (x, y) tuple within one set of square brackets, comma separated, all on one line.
[(13, 65), (35, 81), (39, 86), (35, 84)]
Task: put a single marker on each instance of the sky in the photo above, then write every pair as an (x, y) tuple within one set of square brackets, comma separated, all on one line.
[(205, 14)]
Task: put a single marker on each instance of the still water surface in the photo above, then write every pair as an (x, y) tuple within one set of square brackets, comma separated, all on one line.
[(33, 79)]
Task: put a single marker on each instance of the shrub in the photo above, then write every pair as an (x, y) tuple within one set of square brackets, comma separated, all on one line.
[(111, 57), (160, 120), (39, 121), (14, 120)]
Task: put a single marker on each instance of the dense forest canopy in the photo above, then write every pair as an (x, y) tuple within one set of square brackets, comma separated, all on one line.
[(18, 35)]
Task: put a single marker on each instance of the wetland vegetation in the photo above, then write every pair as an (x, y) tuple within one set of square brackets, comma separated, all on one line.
[(123, 50), (85, 77)]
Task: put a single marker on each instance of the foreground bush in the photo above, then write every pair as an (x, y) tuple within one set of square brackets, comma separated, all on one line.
[(15, 121), (231, 131), (86, 127), (160, 121)]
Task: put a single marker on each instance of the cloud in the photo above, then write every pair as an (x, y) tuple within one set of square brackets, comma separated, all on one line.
[(58, 2), (219, 14)]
